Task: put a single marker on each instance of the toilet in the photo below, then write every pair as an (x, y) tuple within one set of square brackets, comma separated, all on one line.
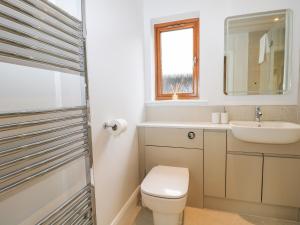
[(164, 191)]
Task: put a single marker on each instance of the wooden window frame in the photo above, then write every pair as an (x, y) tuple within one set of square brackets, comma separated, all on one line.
[(172, 26)]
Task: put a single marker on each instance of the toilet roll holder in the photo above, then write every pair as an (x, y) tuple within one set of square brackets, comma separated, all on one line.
[(107, 125)]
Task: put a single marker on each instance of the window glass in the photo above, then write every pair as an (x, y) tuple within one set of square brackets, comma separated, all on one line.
[(177, 61)]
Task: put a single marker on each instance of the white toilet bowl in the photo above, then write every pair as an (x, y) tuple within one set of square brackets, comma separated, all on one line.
[(164, 191)]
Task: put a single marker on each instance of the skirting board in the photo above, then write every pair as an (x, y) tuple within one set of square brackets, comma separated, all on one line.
[(249, 208), (129, 211)]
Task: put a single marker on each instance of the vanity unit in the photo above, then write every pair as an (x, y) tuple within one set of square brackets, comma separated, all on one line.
[(274, 171), (226, 173)]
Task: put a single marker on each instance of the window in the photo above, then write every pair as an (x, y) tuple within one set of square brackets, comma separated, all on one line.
[(177, 59)]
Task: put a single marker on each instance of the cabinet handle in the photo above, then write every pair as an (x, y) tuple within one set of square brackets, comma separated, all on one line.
[(191, 135)]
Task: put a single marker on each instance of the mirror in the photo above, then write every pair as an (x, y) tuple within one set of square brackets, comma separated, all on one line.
[(256, 53)]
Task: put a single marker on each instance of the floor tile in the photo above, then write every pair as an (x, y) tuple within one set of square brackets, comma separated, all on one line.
[(195, 216)]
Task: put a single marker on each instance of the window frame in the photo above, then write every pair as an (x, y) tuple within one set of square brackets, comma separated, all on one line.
[(172, 26)]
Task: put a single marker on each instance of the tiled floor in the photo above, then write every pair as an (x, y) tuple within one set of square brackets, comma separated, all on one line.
[(195, 216)]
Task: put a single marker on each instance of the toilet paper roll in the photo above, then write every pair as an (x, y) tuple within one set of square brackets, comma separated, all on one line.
[(118, 126), (215, 117), (224, 118)]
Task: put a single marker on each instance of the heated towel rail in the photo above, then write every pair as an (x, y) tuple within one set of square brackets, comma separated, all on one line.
[(37, 33)]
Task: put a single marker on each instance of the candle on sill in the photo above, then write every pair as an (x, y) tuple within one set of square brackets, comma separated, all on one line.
[(174, 96)]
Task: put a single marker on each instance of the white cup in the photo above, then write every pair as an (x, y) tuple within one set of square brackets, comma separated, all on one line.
[(215, 117), (224, 118)]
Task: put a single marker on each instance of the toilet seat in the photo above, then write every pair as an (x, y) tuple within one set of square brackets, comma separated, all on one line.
[(166, 182), (164, 191)]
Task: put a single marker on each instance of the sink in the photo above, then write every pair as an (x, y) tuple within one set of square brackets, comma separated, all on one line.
[(266, 132)]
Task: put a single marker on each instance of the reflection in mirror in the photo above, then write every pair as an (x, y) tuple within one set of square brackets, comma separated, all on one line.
[(256, 53)]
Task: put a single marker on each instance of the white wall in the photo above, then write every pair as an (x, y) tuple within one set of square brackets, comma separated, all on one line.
[(299, 95), (115, 65), (212, 15), (72, 7)]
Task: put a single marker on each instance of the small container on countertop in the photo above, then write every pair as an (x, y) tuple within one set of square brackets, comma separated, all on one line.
[(224, 118), (215, 117)]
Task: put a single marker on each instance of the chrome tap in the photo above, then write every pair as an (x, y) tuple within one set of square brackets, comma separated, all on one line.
[(258, 114)]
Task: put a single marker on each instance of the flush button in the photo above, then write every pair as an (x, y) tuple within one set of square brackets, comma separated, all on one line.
[(191, 135)]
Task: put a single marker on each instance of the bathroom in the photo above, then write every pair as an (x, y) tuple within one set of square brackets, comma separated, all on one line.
[(95, 130)]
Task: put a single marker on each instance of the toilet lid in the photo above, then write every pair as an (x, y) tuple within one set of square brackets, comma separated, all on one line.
[(166, 182)]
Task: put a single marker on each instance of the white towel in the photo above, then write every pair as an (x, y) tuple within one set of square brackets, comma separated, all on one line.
[(264, 47)]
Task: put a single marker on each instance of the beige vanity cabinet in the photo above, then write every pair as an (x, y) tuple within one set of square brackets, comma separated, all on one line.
[(244, 176), (179, 147), (214, 163), (281, 181)]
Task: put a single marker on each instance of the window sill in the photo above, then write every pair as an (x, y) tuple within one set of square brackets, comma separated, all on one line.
[(177, 103)]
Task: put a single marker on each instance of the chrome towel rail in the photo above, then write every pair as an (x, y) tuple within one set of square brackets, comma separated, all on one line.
[(77, 210), (41, 132), (41, 173), (79, 218), (39, 14), (38, 31), (36, 151), (9, 10), (40, 112), (40, 143), (56, 12), (67, 209), (42, 152), (54, 158), (10, 126)]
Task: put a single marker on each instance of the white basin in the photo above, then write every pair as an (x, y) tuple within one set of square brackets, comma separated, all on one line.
[(266, 132)]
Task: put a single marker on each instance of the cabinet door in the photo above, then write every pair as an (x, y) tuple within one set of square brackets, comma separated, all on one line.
[(180, 157), (174, 137), (244, 177), (214, 163), (282, 181)]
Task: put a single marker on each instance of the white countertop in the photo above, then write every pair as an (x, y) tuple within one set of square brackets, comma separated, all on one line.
[(195, 125)]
